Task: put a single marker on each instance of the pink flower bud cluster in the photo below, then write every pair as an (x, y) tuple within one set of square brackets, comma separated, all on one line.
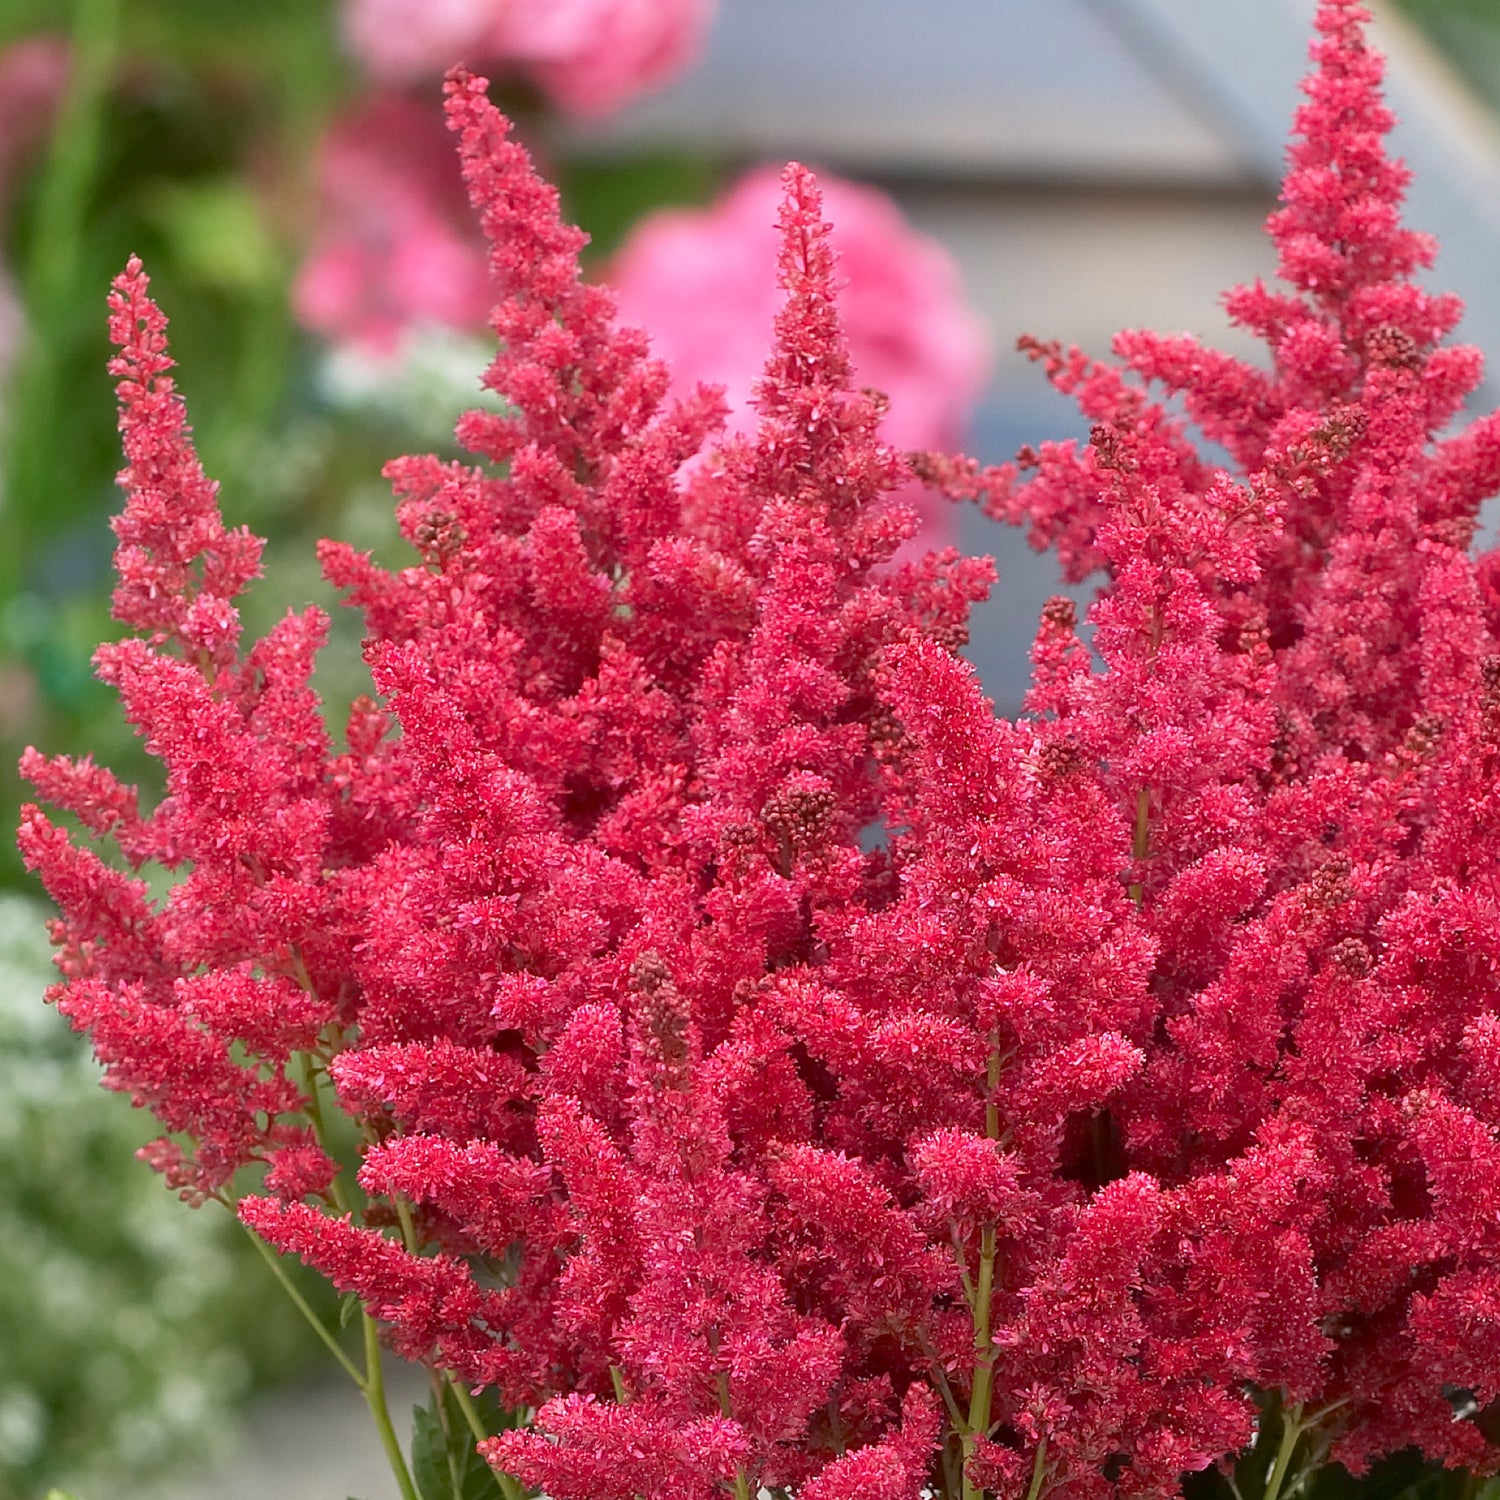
[(771, 1069)]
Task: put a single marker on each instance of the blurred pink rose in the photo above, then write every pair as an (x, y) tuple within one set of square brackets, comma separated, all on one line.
[(396, 243), (702, 283), (590, 57)]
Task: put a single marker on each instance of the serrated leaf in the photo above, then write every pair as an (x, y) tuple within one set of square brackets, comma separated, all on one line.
[(429, 1454), (477, 1479), (445, 1465)]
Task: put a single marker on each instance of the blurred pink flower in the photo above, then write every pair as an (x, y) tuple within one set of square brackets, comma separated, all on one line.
[(394, 244), (33, 75), (702, 282), (590, 57)]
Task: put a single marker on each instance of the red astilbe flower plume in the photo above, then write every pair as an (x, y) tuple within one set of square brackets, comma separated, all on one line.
[(179, 569), (781, 1072), (638, 1034), (168, 990), (714, 1016), (1296, 711)]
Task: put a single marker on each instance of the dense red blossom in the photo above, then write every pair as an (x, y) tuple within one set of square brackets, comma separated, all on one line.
[(1297, 705), (792, 1075)]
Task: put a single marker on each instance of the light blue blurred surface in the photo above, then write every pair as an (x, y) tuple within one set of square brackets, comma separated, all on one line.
[(1017, 87)]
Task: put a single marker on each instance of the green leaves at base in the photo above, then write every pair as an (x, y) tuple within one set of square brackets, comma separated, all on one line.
[(443, 1461)]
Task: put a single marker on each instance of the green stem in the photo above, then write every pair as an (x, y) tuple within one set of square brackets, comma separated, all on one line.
[(982, 1394), (992, 1082), (273, 1260), (455, 1479), (1038, 1471), (1291, 1434), (475, 1423), (960, 1422), (1324, 1412), (1141, 844), (962, 1259), (408, 1224), (952, 1462), (381, 1413), (320, 1129), (726, 1407), (373, 1384)]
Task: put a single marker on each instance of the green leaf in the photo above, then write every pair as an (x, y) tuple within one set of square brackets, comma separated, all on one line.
[(217, 230), (348, 1308), (444, 1463), (429, 1450)]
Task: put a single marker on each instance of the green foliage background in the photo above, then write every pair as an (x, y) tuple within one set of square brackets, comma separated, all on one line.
[(129, 1326)]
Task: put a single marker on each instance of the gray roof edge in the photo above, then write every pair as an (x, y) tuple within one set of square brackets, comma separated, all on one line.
[(1237, 58)]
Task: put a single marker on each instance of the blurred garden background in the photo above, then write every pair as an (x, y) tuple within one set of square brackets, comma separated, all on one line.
[(1058, 167)]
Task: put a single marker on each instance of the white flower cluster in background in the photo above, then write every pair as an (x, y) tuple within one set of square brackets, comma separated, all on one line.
[(130, 1328)]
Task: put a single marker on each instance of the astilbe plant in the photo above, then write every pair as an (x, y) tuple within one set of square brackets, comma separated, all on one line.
[(770, 1070), (1301, 706)]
